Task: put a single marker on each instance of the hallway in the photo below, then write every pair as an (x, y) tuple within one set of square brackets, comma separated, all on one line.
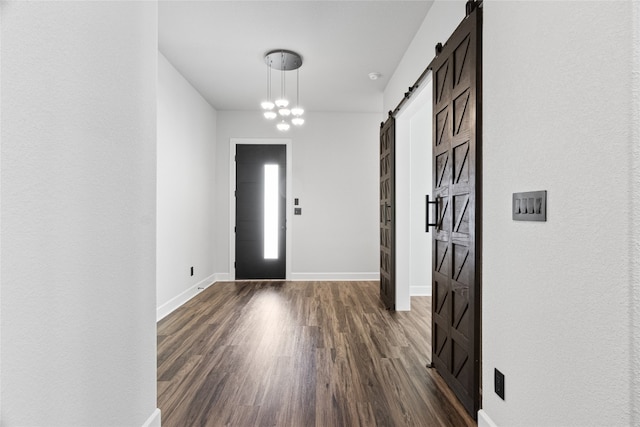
[(299, 354)]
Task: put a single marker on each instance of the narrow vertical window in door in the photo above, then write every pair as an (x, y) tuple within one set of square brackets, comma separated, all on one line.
[(271, 225)]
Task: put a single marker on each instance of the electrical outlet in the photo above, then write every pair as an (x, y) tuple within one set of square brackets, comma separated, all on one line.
[(192, 271), (499, 383)]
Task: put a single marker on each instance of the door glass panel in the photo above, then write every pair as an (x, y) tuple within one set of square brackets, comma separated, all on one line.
[(271, 211)]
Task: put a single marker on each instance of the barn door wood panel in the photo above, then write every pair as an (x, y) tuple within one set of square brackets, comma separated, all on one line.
[(456, 189), (387, 214)]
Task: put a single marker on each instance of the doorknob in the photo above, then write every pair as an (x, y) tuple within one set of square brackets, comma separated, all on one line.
[(428, 224)]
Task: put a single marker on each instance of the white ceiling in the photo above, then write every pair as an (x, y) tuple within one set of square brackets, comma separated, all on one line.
[(219, 46)]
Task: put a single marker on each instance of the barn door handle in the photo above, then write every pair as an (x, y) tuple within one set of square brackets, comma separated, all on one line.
[(428, 224), (387, 213)]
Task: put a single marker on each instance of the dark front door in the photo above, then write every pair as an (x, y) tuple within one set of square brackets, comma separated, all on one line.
[(456, 188), (260, 211), (387, 214)]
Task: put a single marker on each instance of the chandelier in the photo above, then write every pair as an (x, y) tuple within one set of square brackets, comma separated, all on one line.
[(280, 110)]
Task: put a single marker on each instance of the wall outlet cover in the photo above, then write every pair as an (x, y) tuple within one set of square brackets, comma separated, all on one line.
[(499, 383)]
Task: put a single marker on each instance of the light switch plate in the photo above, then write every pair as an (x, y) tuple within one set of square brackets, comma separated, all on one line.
[(529, 206)]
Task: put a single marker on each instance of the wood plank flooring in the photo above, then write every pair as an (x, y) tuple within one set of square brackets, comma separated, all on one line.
[(300, 354)]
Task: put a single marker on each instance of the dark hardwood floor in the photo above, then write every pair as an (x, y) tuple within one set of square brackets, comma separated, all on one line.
[(300, 354)]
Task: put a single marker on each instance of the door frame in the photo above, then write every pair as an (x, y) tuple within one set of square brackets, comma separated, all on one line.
[(233, 142), (406, 228)]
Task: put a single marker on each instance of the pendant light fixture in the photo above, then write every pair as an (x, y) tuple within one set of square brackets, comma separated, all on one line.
[(283, 60)]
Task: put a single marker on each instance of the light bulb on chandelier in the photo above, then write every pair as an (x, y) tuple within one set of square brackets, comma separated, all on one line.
[(283, 126)]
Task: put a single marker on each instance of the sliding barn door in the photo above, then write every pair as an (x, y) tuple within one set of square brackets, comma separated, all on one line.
[(387, 214), (456, 189)]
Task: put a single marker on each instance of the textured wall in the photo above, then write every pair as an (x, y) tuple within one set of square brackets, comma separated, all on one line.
[(635, 218), (557, 81), (78, 213)]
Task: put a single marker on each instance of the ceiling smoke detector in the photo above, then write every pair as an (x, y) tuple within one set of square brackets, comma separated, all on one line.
[(375, 75)]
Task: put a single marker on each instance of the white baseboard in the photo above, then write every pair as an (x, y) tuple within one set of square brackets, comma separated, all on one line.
[(175, 302), (484, 420), (221, 277), (420, 291), (314, 277), (154, 420)]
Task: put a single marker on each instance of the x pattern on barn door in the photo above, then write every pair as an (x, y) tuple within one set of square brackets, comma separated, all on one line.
[(456, 302), (387, 217)]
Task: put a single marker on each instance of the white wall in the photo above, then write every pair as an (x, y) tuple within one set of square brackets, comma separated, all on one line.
[(78, 213), (442, 19), (186, 183), (413, 182), (335, 176), (421, 184), (635, 218), (556, 306)]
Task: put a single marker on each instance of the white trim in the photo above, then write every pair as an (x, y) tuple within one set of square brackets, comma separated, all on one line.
[(221, 277), (484, 420), (233, 142), (154, 420), (339, 277), (420, 291), (175, 302)]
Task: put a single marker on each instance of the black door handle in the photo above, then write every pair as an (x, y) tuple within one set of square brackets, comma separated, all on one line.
[(387, 216), (427, 223)]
